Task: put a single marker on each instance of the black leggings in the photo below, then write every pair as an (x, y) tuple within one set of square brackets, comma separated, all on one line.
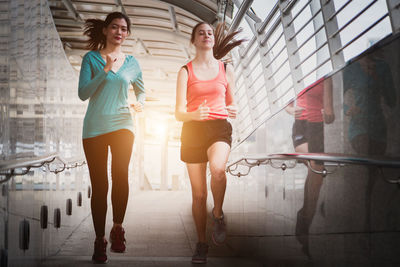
[(96, 152)]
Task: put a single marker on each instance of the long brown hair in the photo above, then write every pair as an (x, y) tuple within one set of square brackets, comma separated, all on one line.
[(94, 30), (224, 42)]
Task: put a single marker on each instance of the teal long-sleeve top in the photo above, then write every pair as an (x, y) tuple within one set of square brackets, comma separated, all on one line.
[(108, 108)]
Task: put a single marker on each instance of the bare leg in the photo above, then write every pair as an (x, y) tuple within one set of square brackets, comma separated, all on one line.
[(363, 145), (306, 214), (311, 192), (218, 154), (197, 175)]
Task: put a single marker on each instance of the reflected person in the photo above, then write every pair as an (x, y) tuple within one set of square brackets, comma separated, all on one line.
[(367, 84), (312, 107), (105, 76), (368, 87)]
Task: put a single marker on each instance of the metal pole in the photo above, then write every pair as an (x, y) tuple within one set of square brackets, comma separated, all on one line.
[(239, 16)]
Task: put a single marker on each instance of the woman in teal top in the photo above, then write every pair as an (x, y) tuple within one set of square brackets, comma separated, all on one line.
[(105, 76)]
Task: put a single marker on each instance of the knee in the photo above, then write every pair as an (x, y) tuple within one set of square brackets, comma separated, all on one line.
[(218, 174), (200, 197)]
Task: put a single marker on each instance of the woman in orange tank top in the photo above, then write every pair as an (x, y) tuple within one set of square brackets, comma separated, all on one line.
[(204, 102)]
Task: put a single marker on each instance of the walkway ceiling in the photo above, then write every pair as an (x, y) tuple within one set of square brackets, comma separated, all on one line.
[(159, 39)]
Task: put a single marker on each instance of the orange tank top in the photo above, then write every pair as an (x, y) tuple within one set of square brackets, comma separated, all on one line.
[(213, 91)]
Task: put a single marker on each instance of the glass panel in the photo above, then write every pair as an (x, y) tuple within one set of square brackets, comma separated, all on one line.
[(355, 112), (40, 113)]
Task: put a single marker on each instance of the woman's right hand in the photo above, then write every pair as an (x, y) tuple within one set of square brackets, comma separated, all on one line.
[(202, 112), (109, 62), (294, 110), (298, 112)]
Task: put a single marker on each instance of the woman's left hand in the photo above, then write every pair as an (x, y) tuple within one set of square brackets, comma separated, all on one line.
[(138, 107), (231, 111), (329, 117)]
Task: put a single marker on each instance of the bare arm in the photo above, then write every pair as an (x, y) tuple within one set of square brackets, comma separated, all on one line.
[(180, 109), (329, 115), (294, 110)]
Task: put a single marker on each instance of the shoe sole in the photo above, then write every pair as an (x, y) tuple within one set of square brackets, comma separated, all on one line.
[(117, 251), (99, 262), (199, 261)]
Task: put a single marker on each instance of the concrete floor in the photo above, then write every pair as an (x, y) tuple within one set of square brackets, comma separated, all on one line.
[(159, 232)]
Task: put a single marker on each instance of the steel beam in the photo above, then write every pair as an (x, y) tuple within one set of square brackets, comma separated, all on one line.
[(202, 12), (70, 7), (172, 16), (240, 14), (120, 5)]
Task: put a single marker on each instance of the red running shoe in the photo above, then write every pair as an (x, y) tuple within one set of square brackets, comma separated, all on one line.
[(99, 254), (117, 239)]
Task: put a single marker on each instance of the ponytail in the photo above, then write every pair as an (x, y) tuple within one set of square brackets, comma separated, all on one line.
[(94, 30), (225, 42)]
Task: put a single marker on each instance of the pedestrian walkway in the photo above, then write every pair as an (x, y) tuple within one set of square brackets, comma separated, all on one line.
[(159, 232)]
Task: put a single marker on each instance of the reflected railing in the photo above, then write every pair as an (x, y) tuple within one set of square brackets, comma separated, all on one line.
[(343, 127), (22, 167), (333, 160), (10, 168)]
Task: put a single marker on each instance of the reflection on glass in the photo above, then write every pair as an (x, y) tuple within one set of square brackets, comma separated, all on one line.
[(312, 108), (368, 90), (368, 84), (40, 112)]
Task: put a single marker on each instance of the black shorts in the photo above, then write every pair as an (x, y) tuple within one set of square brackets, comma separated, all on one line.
[(309, 132), (198, 136)]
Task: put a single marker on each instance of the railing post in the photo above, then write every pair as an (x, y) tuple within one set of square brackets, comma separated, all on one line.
[(331, 26), (315, 6), (267, 70), (244, 6), (394, 14), (291, 45), (247, 79), (337, 127)]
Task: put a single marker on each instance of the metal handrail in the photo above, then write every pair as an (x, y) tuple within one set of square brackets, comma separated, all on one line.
[(339, 10), (271, 31), (332, 159), (9, 168), (269, 18), (280, 82), (282, 94), (314, 69), (361, 33), (311, 54), (275, 57), (308, 39), (272, 46), (298, 13), (352, 19), (305, 24)]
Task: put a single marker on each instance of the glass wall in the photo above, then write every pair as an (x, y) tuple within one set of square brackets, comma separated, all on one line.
[(40, 114), (348, 218), (40, 111)]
